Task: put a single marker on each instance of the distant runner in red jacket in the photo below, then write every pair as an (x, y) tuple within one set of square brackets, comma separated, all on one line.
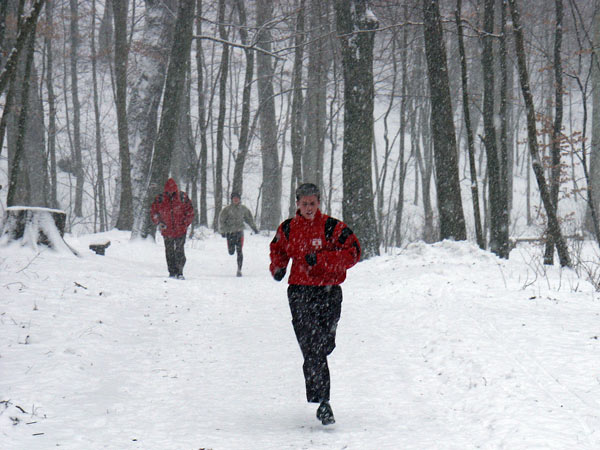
[(173, 212), (321, 249)]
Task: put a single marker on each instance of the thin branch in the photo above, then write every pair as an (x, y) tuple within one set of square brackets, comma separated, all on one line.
[(235, 44)]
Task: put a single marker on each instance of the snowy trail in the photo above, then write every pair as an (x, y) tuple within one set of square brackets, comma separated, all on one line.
[(440, 347)]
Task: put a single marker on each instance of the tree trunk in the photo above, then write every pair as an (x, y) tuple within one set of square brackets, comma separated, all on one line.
[(315, 101), (498, 236), (53, 200), (555, 145), (357, 61), (125, 218), (28, 175), (452, 221), (100, 195), (594, 170), (504, 160), (553, 225), (201, 164), (174, 88), (77, 158), (145, 98), (271, 175), (297, 130), (240, 157), (469, 129), (223, 71)]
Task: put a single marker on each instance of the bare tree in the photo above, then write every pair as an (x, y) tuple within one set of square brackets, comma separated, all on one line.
[(223, 72), (538, 169), (319, 61), (469, 128), (125, 217), (174, 89), (77, 157), (146, 94), (271, 174), (555, 144), (356, 31), (452, 221), (240, 157), (297, 130), (99, 189)]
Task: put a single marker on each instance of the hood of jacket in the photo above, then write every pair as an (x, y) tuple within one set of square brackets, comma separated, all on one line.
[(171, 186)]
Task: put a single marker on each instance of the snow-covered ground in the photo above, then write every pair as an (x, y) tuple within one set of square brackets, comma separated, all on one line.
[(439, 346)]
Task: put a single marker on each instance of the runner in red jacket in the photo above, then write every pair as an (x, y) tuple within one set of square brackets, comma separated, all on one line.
[(321, 249), (173, 212)]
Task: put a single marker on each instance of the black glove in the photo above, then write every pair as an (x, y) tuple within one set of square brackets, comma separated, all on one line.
[(311, 259), (223, 235), (162, 226), (279, 274)]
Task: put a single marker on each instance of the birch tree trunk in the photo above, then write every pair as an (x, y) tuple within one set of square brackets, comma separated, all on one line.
[(146, 94), (174, 88)]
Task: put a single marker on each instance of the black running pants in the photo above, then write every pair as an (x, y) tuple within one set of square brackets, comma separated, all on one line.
[(315, 311)]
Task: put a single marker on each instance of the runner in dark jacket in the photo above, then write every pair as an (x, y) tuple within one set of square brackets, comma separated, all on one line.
[(321, 249), (173, 212)]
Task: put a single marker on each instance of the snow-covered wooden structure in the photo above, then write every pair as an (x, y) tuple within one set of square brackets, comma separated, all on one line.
[(35, 226)]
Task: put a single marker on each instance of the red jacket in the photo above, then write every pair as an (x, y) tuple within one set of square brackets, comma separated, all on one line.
[(174, 209), (335, 245)]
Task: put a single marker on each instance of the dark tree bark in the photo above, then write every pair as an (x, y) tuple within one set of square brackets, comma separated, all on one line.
[(174, 89), (504, 160), (9, 71), (271, 173), (498, 235), (356, 32), (469, 129), (77, 158), (296, 129), (25, 30), (450, 210), (224, 70), (402, 162), (315, 102), (51, 107), (240, 157), (557, 126), (538, 169), (100, 195), (28, 175), (16, 172), (125, 217), (201, 164)]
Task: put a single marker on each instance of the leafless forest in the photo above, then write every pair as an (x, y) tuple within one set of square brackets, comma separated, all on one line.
[(421, 119)]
